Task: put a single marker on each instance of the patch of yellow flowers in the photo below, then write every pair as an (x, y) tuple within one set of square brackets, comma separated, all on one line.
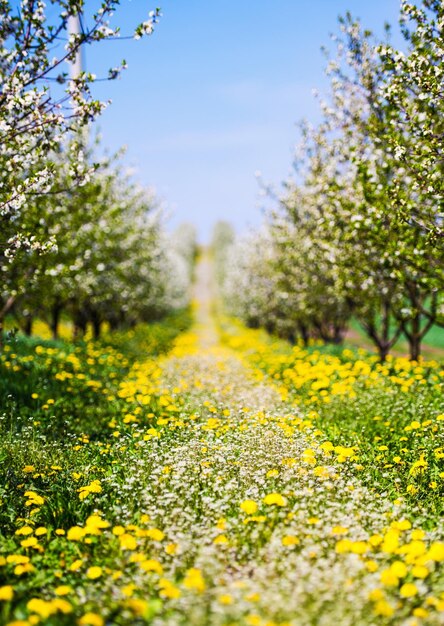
[(221, 502)]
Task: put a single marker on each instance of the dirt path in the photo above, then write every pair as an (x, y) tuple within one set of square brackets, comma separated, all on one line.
[(203, 297)]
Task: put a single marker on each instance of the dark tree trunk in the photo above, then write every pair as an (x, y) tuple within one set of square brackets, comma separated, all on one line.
[(113, 323), (3, 312), (55, 320), (338, 334), (96, 324), (304, 333), (380, 334), (383, 351), (415, 334), (269, 327), (415, 349), (414, 337), (80, 324), (28, 325)]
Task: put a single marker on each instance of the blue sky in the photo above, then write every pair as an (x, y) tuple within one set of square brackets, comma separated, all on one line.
[(214, 95)]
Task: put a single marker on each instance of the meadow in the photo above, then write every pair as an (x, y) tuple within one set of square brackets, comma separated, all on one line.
[(226, 477), (264, 454)]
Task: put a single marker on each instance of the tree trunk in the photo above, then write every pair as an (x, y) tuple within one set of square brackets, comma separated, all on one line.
[(28, 325), (304, 334), (269, 327), (385, 344), (380, 334), (338, 334), (414, 334), (79, 328), (383, 351), (55, 320), (415, 349), (3, 312), (291, 337), (414, 338), (113, 323), (96, 325)]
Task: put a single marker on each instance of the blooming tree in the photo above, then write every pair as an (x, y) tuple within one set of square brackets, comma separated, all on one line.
[(38, 106), (358, 229)]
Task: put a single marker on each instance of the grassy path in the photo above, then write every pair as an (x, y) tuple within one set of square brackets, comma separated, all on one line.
[(206, 498), (270, 529)]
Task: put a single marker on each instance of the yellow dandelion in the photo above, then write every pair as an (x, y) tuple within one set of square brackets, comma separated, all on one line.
[(6, 593), (94, 572), (275, 498), (408, 590), (249, 507), (91, 619)]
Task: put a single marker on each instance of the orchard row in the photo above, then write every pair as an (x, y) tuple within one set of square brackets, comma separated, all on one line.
[(358, 230), (78, 237)]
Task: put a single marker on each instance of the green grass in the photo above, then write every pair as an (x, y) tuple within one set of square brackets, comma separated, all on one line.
[(55, 397)]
